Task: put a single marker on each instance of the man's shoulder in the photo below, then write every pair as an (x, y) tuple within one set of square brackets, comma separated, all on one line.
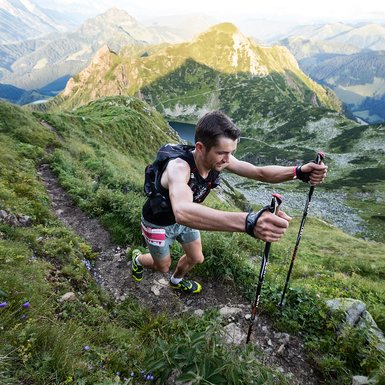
[(172, 151), (178, 163)]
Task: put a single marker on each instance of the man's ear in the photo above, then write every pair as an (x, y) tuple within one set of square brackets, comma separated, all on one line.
[(200, 147)]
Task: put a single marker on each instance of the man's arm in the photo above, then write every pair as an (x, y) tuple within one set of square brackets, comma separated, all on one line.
[(269, 227), (276, 174)]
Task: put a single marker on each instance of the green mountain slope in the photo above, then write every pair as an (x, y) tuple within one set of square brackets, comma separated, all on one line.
[(98, 154), (207, 70)]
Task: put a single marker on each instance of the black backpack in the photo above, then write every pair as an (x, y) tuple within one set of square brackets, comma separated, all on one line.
[(153, 173), (158, 196)]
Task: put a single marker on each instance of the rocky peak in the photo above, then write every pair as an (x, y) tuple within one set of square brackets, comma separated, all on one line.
[(99, 64)]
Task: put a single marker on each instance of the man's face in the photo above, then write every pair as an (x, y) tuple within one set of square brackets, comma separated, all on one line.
[(218, 157)]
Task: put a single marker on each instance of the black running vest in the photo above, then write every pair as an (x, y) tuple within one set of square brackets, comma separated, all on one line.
[(157, 209)]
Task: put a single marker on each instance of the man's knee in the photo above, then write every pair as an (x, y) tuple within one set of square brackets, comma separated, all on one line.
[(163, 265), (196, 259)]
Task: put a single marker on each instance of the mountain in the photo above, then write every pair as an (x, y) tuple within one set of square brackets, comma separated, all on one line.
[(358, 80), (308, 48), (367, 36), (21, 20), (34, 64), (362, 36), (347, 59), (220, 68), (319, 31), (19, 96)]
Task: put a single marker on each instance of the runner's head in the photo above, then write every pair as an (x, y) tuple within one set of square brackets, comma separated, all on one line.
[(214, 125)]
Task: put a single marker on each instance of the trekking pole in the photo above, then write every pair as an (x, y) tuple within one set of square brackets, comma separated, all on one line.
[(274, 208), (318, 160)]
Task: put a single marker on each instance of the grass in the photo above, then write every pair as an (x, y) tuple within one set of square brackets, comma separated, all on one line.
[(93, 340)]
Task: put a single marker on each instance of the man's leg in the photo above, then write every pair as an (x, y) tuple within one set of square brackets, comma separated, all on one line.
[(193, 255), (147, 261)]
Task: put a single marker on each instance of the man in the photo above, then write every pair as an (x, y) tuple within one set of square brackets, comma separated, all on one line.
[(173, 211)]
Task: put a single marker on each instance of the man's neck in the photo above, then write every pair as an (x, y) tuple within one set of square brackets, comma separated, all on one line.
[(203, 171)]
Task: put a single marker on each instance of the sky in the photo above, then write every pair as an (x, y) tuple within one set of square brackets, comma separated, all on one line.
[(302, 11)]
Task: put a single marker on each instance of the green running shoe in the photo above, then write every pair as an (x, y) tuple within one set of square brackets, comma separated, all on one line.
[(187, 285), (136, 269)]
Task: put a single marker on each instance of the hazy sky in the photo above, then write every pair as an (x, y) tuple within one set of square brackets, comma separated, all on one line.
[(299, 10)]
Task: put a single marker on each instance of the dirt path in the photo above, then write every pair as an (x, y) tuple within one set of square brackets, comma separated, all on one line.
[(112, 272)]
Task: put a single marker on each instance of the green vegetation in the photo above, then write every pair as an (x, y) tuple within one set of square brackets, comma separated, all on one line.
[(203, 72), (99, 155)]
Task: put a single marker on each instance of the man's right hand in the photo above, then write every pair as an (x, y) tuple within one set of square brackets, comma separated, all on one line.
[(271, 227)]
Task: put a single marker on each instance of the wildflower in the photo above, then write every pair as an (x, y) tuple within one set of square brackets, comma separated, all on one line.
[(23, 317), (86, 348), (3, 304), (87, 264), (26, 304), (132, 374)]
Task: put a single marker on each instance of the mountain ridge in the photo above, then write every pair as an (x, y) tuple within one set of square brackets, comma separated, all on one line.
[(55, 56), (221, 51), (21, 20)]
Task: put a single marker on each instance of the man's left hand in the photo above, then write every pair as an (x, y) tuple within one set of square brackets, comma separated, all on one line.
[(317, 172)]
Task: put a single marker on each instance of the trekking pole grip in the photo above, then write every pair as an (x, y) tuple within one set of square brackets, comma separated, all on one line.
[(320, 157), (276, 203)]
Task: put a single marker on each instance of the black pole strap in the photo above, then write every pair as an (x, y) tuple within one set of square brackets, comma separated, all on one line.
[(252, 219)]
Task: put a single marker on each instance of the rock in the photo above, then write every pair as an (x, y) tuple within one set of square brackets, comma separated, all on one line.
[(163, 282), (3, 214), (155, 290), (353, 309), (199, 312), (281, 349), (285, 338), (233, 334), (360, 380), (25, 221), (12, 220), (375, 333), (67, 297), (356, 315), (226, 310)]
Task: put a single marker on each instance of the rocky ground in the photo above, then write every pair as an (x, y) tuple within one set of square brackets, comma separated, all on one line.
[(330, 206)]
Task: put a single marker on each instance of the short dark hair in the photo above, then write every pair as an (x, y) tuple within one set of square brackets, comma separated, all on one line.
[(212, 126)]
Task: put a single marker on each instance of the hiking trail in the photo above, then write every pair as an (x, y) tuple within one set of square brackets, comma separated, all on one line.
[(112, 271)]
